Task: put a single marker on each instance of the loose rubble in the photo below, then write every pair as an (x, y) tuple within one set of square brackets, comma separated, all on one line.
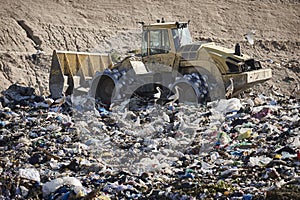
[(230, 149)]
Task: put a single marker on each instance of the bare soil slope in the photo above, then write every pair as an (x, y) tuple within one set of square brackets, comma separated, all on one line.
[(111, 26)]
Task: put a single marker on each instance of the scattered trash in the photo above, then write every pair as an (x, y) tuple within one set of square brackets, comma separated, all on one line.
[(30, 174), (235, 149), (64, 187), (260, 161)]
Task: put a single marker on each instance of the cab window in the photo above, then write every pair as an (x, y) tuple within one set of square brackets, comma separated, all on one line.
[(175, 35), (145, 43), (159, 42), (181, 36)]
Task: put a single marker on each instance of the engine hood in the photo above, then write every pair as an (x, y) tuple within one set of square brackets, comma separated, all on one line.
[(227, 60), (189, 51)]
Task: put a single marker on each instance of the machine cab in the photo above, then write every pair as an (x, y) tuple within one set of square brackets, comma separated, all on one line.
[(161, 41)]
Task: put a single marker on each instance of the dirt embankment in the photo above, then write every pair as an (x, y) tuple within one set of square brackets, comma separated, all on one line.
[(101, 26)]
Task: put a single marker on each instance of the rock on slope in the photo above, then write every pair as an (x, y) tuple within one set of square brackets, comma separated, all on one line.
[(101, 26)]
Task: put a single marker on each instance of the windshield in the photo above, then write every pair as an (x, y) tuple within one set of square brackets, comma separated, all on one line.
[(181, 37), (158, 42)]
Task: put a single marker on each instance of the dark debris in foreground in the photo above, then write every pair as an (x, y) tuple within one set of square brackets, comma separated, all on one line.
[(247, 150)]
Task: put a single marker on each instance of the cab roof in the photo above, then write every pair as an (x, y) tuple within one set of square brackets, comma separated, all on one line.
[(166, 25)]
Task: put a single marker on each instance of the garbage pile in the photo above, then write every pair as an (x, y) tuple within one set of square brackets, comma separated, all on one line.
[(67, 149)]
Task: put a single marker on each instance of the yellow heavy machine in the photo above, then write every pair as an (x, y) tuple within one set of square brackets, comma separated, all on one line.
[(169, 62)]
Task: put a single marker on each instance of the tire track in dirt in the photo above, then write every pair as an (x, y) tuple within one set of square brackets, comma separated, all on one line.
[(70, 37)]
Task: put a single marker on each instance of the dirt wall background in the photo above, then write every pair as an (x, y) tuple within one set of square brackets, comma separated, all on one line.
[(99, 25)]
